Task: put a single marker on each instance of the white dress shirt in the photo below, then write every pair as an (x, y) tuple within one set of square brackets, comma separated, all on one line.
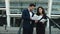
[(30, 14)]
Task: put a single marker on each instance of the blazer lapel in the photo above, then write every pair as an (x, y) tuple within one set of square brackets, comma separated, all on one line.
[(28, 12)]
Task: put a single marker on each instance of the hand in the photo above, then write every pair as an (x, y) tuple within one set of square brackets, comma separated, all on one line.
[(43, 20), (30, 17), (36, 21)]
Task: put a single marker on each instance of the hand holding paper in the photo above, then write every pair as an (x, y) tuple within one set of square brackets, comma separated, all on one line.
[(43, 20)]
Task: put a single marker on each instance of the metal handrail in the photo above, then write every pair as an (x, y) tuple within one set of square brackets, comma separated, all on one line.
[(50, 24), (53, 22), (21, 24)]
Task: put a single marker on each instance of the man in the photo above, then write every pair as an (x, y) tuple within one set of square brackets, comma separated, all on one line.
[(27, 22)]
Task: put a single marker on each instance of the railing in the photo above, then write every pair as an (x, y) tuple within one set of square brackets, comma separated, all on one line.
[(21, 24), (53, 23)]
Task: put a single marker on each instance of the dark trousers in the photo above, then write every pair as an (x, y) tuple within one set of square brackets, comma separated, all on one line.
[(28, 30), (40, 28)]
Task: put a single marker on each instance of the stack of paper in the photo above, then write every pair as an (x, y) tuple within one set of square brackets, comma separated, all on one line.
[(35, 17)]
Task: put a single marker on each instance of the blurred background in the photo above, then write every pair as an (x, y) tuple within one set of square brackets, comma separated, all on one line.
[(11, 11)]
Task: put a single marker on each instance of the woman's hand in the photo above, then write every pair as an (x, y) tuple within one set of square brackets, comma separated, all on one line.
[(43, 20)]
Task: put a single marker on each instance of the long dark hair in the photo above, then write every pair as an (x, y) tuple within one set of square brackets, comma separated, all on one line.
[(43, 11)]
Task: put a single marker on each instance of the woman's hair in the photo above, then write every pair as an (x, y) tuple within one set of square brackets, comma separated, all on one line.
[(43, 11)]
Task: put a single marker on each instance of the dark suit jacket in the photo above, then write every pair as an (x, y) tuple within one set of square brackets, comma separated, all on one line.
[(26, 19)]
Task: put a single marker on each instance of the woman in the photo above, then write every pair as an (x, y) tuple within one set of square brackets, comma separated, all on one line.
[(40, 24)]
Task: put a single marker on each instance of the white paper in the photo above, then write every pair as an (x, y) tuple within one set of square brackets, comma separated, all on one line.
[(43, 20), (35, 17)]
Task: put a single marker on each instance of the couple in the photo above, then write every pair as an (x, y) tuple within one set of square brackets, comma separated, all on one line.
[(28, 23)]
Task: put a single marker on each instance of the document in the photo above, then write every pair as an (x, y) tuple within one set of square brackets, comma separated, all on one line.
[(43, 20), (36, 17)]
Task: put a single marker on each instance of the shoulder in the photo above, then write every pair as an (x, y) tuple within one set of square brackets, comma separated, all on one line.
[(24, 10)]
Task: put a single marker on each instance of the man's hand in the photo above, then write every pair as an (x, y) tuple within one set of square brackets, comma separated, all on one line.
[(31, 18), (36, 21)]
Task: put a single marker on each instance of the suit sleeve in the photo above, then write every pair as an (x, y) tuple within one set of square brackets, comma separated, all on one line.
[(24, 15)]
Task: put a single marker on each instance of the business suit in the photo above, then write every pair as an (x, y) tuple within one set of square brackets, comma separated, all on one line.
[(40, 27), (27, 26)]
